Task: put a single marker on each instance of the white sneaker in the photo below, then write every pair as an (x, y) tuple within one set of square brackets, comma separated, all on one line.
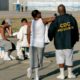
[(37, 78), (71, 76), (7, 58), (27, 55), (61, 77), (12, 57), (29, 73), (21, 57)]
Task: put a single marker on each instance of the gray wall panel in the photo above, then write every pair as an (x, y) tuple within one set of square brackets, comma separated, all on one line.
[(4, 5)]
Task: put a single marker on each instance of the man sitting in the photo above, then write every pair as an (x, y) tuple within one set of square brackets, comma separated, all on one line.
[(4, 42)]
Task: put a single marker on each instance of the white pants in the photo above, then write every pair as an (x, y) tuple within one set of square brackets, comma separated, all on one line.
[(64, 56), (18, 48)]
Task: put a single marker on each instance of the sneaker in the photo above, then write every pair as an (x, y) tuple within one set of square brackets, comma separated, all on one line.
[(17, 58), (12, 57), (37, 78), (71, 76), (7, 58), (27, 54), (29, 73), (61, 77)]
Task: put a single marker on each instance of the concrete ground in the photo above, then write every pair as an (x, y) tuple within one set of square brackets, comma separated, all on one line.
[(16, 70)]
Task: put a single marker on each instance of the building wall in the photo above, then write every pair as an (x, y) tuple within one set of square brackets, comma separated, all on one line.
[(54, 0), (51, 7), (12, 5)]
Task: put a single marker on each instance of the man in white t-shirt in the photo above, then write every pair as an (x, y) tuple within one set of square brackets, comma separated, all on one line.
[(22, 43), (37, 42)]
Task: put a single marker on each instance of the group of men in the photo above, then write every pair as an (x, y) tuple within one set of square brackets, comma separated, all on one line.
[(8, 46), (63, 28)]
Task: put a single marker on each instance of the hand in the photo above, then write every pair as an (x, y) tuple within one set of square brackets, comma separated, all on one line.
[(28, 45)]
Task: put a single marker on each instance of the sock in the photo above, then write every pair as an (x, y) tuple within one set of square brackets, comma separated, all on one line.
[(62, 71), (69, 70), (36, 73)]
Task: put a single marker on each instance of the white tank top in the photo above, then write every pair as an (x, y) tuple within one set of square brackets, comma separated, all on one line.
[(37, 33)]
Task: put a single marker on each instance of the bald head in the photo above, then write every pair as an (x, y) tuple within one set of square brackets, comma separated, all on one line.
[(61, 9)]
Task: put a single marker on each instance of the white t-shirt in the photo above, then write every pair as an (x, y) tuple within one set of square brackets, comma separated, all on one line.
[(37, 33), (46, 34), (22, 36)]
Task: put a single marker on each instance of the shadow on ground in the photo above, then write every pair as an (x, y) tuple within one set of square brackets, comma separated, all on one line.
[(19, 77), (50, 74), (52, 53), (77, 67), (9, 66), (49, 54)]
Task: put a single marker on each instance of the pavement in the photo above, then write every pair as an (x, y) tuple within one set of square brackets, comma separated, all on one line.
[(14, 14), (17, 70)]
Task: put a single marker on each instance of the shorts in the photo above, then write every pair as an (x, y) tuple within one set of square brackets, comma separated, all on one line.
[(36, 57), (64, 57), (6, 45)]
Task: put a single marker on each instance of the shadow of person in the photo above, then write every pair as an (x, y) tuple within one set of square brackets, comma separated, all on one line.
[(77, 71), (76, 52), (76, 63), (19, 77), (49, 74), (77, 67), (10, 65), (49, 54)]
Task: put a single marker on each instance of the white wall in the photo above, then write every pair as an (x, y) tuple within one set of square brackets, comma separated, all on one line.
[(46, 4)]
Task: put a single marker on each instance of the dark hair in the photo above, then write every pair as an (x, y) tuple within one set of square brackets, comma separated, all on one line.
[(61, 5), (55, 14), (35, 13), (23, 19), (3, 22)]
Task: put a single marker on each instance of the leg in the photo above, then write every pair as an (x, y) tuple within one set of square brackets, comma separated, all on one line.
[(33, 61), (7, 47), (60, 61), (36, 73), (27, 52), (19, 51), (41, 53), (2, 52), (69, 62)]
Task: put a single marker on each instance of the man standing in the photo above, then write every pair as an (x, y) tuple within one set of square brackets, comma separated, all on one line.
[(37, 41), (22, 41), (65, 32)]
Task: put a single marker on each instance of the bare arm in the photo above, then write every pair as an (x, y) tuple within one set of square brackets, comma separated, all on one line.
[(9, 31), (3, 34), (45, 20), (48, 20), (28, 34)]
